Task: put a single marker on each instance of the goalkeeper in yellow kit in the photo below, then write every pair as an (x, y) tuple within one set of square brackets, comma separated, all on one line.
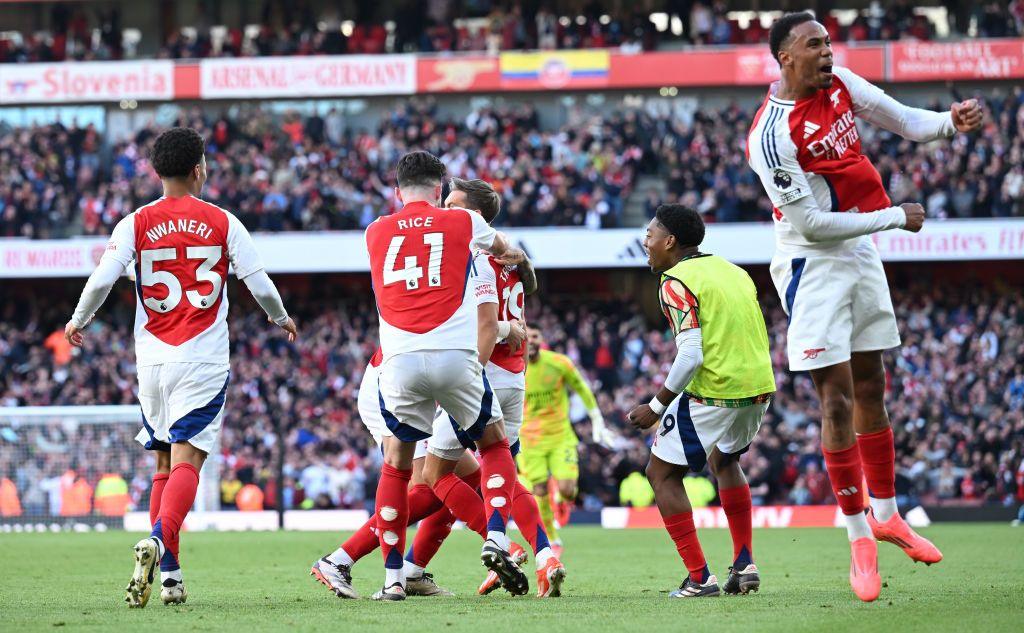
[(547, 440)]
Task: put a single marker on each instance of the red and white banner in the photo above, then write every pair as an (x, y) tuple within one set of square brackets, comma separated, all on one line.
[(969, 59), (763, 517), (327, 76), (86, 82)]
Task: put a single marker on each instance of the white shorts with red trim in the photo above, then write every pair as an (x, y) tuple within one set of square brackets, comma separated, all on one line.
[(837, 303)]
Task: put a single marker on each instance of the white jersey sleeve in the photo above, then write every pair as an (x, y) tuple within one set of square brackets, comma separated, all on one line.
[(773, 158), (485, 282), (119, 255), (483, 233), (241, 249), (874, 106)]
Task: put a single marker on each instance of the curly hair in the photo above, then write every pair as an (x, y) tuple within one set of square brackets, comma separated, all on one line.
[(684, 223), (176, 152), (420, 169)]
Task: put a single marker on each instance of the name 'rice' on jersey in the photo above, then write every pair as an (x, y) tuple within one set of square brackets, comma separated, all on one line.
[(812, 147), (420, 261)]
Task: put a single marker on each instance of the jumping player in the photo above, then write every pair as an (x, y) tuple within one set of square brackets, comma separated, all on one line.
[(181, 246), (805, 147), (420, 262), (714, 396)]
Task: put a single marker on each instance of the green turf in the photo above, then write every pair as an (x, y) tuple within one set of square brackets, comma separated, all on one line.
[(617, 581)]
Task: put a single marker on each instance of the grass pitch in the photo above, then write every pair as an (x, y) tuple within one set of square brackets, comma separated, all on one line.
[(618, 581)]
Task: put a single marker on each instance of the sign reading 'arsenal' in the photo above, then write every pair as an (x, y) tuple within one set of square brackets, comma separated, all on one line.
[(86, 82), (342, 75)]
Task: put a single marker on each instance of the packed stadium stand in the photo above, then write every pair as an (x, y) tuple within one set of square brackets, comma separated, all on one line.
[(288, 172), (581, 138), (955, 393)]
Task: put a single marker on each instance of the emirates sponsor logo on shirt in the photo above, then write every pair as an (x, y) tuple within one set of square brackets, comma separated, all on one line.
[(840, 137)]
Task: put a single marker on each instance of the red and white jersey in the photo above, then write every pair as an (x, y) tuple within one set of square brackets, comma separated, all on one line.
[(420, 262), (377, 358), (181, 248), (497, 283), (812, 147)]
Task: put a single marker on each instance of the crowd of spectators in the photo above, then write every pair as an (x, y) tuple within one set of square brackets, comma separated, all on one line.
[(290, 172), (955, 395), (285, 28)]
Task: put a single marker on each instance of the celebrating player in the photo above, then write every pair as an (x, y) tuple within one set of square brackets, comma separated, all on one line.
[(500, 290), (420, 261), (714, 396), (805, 147), (181, 247), (548, 441)]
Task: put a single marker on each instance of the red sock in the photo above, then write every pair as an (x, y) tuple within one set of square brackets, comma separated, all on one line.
[(422, 502), (684, 534), (527, 516), (472, 479), (430, 534), (178, 495), (364, 541), (155, 493), (463, 502), (878, 457), (846, 475), (499, 479), (436, 527), (392, 512), (738, 511)]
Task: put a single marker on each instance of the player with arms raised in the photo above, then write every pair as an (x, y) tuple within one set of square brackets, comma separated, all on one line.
[(420, 261), (181, 246), (714, 396), (828, 197)]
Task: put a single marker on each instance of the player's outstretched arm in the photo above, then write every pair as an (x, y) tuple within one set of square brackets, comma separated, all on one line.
[(872, 104), (119, 254), (487, 332), (600, 433)]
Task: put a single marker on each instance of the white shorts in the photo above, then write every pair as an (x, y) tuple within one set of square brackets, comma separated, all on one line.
[(181, 402), (837, 303), (413, 384), (689, 431), (448, 442), (368, 403)]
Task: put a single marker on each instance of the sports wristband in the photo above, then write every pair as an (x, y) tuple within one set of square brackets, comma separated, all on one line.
[(504, 327), (656, 405)]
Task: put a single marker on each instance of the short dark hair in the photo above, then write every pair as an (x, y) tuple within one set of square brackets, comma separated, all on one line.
[(682, 222), (420, 169), (782, 27), (176, 152), (480, 196)]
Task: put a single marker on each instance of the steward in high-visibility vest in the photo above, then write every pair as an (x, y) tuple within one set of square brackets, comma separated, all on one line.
[(112, 498)]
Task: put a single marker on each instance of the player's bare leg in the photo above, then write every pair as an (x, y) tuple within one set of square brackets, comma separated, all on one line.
[(878, 456), (834, 385), (734, 493), (667, 481)]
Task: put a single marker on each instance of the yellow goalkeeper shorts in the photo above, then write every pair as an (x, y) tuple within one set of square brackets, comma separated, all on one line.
[(537, 463)]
